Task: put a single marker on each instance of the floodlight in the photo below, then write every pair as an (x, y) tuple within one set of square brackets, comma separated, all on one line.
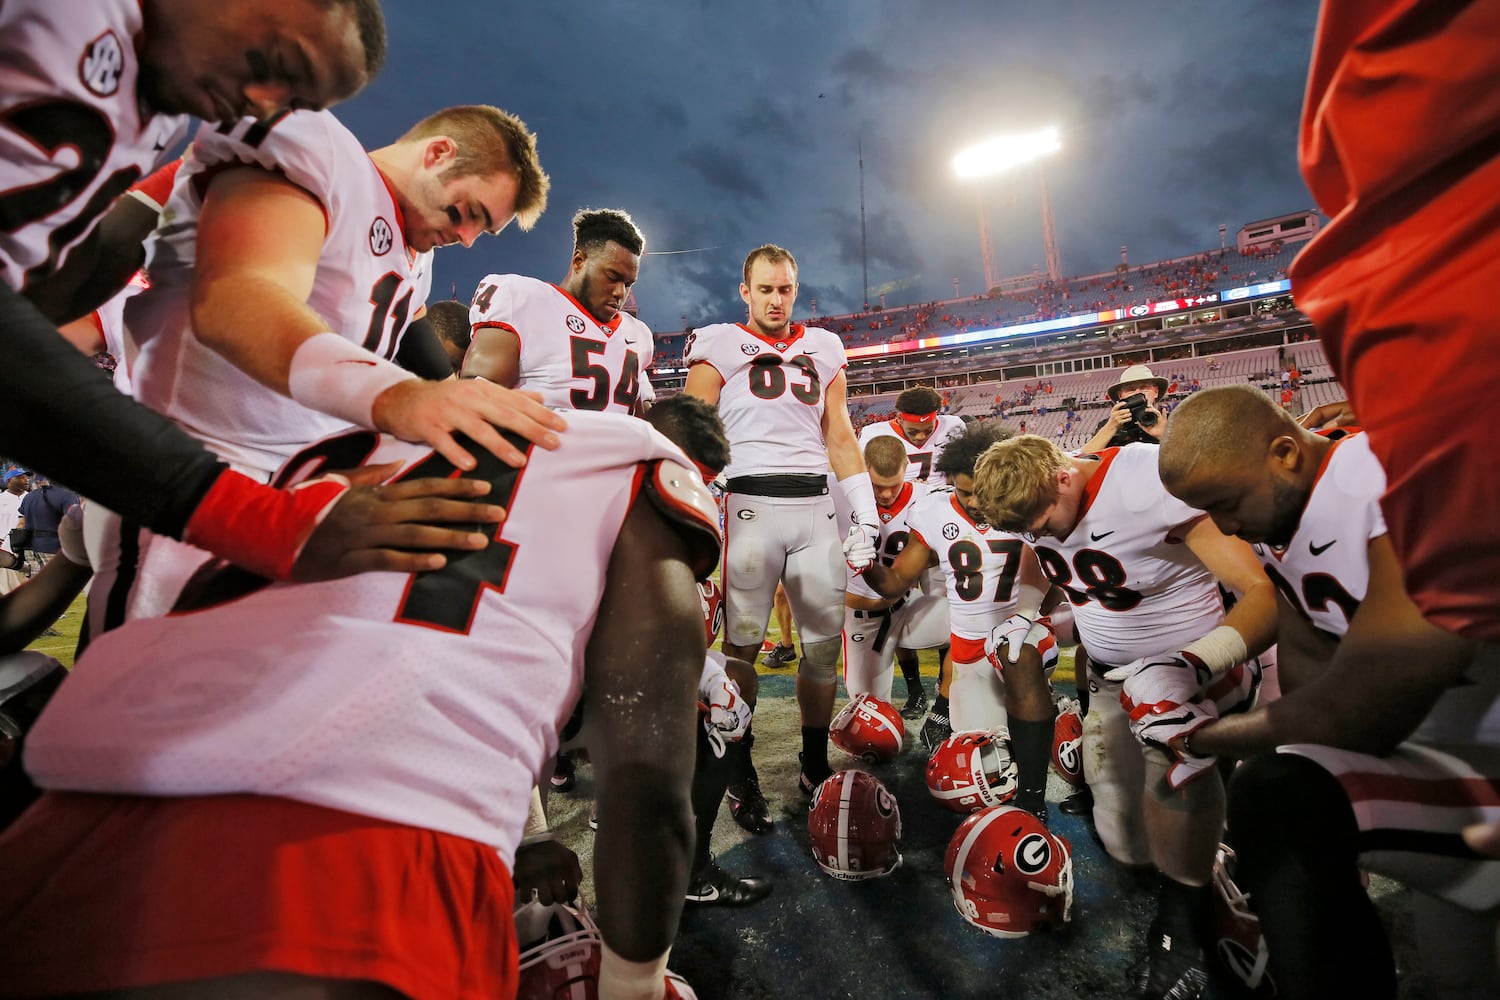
[(1004, 152)]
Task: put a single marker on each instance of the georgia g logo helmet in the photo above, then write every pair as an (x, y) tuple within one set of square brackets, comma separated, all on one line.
[(1010, 876), (869, 729)]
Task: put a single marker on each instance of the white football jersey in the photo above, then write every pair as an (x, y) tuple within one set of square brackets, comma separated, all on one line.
[(774, 393), (72, 138), (921, 459), (980, 563), (573, 360), (894, 533), (368, 285), (431, 699), (1136, 588), (1325, 572), (1325, 568)]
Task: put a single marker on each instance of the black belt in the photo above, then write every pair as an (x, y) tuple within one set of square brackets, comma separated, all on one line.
[(887, 615), (1099, 669), (880, 612), (792, 484)]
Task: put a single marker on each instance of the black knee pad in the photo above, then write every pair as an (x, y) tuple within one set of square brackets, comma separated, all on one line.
[(1287, 800)]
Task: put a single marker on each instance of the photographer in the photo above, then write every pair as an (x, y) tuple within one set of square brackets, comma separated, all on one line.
[(1134, 416)]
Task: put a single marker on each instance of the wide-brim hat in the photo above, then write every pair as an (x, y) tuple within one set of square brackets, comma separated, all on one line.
[(1138, 373)]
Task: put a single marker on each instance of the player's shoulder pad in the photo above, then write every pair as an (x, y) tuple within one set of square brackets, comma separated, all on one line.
[(678, 492)]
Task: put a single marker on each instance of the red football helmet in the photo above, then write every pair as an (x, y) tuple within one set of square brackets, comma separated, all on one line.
[(1009, 875), (1238, 941), (972, 770), (854, 824), (560, 952), (1046, 645), (711, 598), (1067, 742), (868, 728)]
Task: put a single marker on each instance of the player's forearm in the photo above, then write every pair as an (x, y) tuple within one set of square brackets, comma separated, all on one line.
[(67, 419), (1254, 617), (255, 323), (886, 582), (26, 611)]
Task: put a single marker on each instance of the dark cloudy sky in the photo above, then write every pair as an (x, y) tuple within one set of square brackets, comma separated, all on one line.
[(724, 125)]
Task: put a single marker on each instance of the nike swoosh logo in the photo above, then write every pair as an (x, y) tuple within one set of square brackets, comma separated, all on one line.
[(1103, 535), (707, 897), (830, 517), (1318, 550), (159, 146)]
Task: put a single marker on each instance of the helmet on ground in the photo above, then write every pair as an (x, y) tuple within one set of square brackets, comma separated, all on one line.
[(1067, 742), (869, 729), (560, 952), (854, 824), (1010, 876), (972, 770)]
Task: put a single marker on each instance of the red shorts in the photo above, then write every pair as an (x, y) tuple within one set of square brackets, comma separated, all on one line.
[(961, 650), (105, 892)]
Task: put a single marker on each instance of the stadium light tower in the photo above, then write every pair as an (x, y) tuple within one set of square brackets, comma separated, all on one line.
[(996, 156)]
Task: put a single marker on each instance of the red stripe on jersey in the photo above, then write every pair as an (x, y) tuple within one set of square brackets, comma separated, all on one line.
[(961, 650), (497, 325), (1096, 481), (963, 513), (795, 332), (902, 499), (608, 328), (1452, 793), (395, 207), (155, 188)]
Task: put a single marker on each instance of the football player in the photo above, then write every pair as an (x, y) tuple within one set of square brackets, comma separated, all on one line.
[(874, 626), (116, 81), (991, 576), (921, 429), (780, 388), (1386, 741), (571, 342), (333, 246), (1141, 569), (271, 765)]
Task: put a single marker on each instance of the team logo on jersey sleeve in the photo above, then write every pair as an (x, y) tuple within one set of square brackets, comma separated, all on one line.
[(576, 323), (749, 349), (382, 237), (101, 64), (950, 531)]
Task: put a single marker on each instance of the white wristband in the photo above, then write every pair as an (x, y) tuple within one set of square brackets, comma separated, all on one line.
[(861, 496), (1220, 649), (338, 377), (1029, 601), (622, 979)]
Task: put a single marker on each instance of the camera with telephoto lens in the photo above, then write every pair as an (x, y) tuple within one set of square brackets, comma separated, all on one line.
[(1140, 410)]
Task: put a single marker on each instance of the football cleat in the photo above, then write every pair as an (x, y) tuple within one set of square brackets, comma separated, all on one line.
[(560, 952), (854, 825), (747, 804), (869, 729), (713, 886), (916, 704), (781, 656), (1067, 742), (1174, 968), (1010, 876), (970, 771), (564, 772), (935, 730)]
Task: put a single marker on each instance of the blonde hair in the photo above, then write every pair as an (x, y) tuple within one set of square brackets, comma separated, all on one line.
[(1016, 479), (886, 455), (491, 141)]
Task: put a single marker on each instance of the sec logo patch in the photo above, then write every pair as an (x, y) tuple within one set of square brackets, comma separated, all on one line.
[(101, 64), (950, 531), (382, 237), (576, 323)]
